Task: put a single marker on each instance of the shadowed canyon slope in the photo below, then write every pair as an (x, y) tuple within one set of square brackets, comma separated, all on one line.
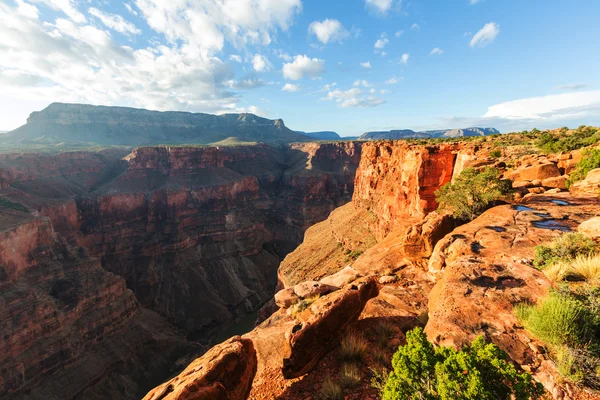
[(92, 242)]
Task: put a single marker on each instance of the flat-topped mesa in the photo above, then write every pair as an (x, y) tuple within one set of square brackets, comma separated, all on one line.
[(396, 181)]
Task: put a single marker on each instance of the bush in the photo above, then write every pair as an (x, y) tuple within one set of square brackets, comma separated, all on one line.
[(331, 390), (565, 141), (353, 347), (564, 248), (495, 154), (303, 305), (583, 268), (472, 193), (480, 371), (590, 161)]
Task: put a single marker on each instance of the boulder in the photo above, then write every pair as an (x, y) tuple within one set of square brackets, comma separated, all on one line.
[(225, 372), (589, 186), (558, 182), (421, 238), (388, 279), (286, 298), (591, 227), (312, 289), (321, 326), (341, 278), (531, 173)]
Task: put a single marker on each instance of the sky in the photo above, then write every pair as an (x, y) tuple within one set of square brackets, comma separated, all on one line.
[(348, 66)]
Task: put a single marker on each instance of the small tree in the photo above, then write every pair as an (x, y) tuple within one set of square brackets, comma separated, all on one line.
[(472, 193), (480, 371)]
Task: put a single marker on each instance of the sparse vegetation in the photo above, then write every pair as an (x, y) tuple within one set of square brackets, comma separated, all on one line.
[(590, 161), (564, 140), (4, 202), (303, 305), (350, 376), (495, 154), (565, 248), (568, 321), (480, 371), (353, 254), (331, 390), (472, 193), (353, 347), (383, 332), (583, 268)]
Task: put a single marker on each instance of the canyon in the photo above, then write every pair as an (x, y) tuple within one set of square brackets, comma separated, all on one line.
[(120, 268)]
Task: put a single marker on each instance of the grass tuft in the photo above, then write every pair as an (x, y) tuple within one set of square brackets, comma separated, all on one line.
[(353, 347), (330, 390), (350, 377)]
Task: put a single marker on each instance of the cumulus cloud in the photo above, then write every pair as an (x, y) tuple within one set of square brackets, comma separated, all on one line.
[(415, 27), (329, 30), (404, 59), (353, 98), (436, 51), (68, 59), (381, 42), (398, 34), (572, 86), (486, 35), (236, 58), (362, 83), (366, 64), (260, 63), (290, 87), (27, 10), (115, 22), (379, 6), (392, 81), (302, 67)]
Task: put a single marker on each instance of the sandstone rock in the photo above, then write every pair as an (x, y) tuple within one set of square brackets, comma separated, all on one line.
[(225, 372), (522, 184), (540, 171), (536, 190), (319, 330), (421, 238), (589, 186), (591, 227), (388, 279), (308, 289), (341, 278), (559, 182), (286, 298)]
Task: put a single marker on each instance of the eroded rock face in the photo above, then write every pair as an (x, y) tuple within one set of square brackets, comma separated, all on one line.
[(225, 372), (319, 329), (590, 186), (396, 181)]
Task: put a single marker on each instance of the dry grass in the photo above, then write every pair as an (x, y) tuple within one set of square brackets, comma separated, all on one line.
[(383, 332), (350, 377), (353, 347), (331, 390), (380, 356), (583, 268), (303, 305)]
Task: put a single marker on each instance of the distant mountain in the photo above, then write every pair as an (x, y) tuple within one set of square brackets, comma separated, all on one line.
[(322, 135), (442, 133), (67, 124)]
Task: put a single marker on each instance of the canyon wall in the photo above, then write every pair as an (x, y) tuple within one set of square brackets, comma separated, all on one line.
[(116, 252)]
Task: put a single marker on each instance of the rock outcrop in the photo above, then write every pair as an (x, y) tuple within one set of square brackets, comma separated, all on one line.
[(225, 372)]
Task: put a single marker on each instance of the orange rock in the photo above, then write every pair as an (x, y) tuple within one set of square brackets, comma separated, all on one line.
[(589, 186), (540, 171), (559, 182), (225, 372), (591, 227), (320, 327)]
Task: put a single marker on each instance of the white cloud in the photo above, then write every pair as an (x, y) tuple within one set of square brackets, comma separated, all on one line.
[(68, 7), (392, 81), (473, 2), (328, 87), (436, 51), (415, 27), (398, 34), (362, 83), (486, 35), (366, 64), (384, 91), (130, 9), (329, 30), (290, 87), (260, 63), (303, 66), (379, 6), (382, 42), (572, 86), (236, 58), (27, 10), (115, 22), (404, 59), (547, 107), (353, 98), (69, 60)]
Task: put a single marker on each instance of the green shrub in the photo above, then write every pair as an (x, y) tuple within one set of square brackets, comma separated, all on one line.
[(480, 371), (564, 248), (590, 161), (565, 141), (495, 154), (472, 193)]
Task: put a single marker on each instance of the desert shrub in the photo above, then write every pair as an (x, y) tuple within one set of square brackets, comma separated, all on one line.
[(303, 305), (495, 154), (472, 193), (590, 161), (565, 141), (480, 371), (331, 390), (583, 268), (350, 376), (353, 347), (383, 332), (564, 248)]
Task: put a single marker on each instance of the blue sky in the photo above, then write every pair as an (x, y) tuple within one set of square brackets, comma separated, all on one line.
[(425, 64)]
